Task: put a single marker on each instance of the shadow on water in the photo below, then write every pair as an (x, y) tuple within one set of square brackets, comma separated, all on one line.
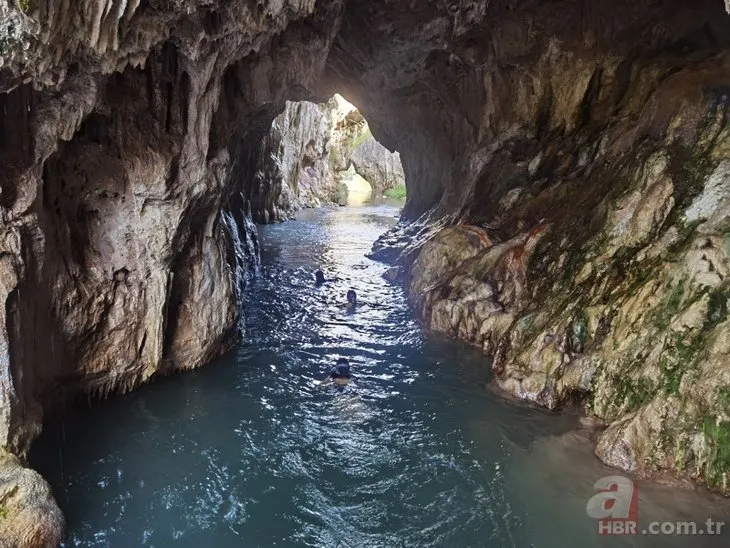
[(252, 450)]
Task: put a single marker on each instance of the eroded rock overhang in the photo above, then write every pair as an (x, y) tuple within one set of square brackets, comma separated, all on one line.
[(123, 123)]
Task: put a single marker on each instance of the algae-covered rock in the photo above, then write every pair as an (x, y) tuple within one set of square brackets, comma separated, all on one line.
[(442, 254), (626, 309)]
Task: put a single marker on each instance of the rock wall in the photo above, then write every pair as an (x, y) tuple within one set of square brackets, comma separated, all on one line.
[(291, 170), (300, 162), (117, 128), (380, 167), (117, 174), (580, 143), (28, 513), (586, 249)]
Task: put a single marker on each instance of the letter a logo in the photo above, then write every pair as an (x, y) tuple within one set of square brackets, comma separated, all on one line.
[(616, 506)]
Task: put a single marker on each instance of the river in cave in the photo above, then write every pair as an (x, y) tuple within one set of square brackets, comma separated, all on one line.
[(253, 451)]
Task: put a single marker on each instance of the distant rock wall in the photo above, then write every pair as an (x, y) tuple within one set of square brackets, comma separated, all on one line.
[(301, 161), (378, 166), (291, 169)]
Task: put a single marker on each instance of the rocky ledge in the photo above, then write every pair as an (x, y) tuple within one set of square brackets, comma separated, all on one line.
[(617, 299), (28, 514)]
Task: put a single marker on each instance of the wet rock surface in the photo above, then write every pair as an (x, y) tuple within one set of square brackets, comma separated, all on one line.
[(586, 141), (118, 178), (29, 516), (120, 126), (307, 157), (619, 299)]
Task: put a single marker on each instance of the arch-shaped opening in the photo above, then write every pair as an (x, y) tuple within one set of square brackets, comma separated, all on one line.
[(322, 153), (561, 158)]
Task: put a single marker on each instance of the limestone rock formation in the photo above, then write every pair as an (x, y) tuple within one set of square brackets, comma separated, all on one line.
[(118, 124), (28, 514), (304, 160), (585, 140), (621, 296), (377, 165), (292, 169)]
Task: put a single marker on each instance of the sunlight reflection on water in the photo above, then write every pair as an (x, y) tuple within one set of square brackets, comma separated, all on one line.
[(252, 450)]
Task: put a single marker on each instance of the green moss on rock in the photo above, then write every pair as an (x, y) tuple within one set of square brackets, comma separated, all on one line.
[(717, 309), (717, 436), (630, 394), (723, 397), (361, 138), (670, 305), (396, 193), (579, 332)]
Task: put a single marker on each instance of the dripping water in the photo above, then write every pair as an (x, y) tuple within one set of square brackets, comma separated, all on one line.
[(244, 254), (251, 246)]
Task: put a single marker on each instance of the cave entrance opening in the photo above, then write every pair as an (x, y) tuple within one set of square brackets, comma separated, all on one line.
[(326, 153), (354, 190)]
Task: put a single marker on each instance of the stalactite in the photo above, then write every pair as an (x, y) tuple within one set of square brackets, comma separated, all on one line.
[(469, 101)]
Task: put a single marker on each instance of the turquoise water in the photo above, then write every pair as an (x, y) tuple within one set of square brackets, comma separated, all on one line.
[(253, 450)]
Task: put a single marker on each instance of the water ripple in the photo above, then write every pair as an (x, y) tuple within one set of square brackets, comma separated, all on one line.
[(255, 450)]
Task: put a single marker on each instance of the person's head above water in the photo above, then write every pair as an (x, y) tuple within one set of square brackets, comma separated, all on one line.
[(351, 297), (319, 277), (340, 373)]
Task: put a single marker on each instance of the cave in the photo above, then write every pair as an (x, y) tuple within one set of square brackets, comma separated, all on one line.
[(318, 154), (567, 206)]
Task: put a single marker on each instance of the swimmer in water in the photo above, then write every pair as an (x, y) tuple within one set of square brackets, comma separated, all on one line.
[(351, 300), (319, 278), (352, 303), (340, 373)]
